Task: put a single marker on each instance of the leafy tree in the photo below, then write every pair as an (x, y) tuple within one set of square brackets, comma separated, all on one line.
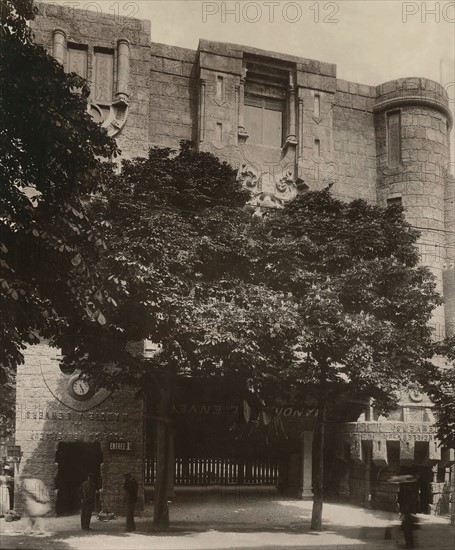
[(364, 304), (439, 383), (50, 166), (8, 405), (321, 298), (176, 223)]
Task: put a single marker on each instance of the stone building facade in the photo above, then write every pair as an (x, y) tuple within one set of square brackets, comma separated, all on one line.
[(288, 124), (67, 429)]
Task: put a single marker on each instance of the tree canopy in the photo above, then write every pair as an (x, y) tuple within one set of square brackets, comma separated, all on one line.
[(363, 303), (439, 383), (182, 252), (322, 299), (52, 160)]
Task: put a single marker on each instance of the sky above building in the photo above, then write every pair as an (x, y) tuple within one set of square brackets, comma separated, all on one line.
[(370, 41)]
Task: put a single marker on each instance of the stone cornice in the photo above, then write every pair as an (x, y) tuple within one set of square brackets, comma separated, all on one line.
[(414, 101)]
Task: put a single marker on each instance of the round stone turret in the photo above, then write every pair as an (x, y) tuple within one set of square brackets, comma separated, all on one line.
[(412, 126)]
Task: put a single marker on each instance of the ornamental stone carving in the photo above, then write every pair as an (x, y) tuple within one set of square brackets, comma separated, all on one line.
[(276, 188), (286, 186), (112, 117), (249, 177), (261, 202), (108, 104)]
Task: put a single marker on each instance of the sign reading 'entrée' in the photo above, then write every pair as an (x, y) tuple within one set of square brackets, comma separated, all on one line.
[(120, 446)]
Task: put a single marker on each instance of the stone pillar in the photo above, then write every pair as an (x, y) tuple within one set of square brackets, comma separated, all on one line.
[(241, 105), (59, 46), (293, 478), (237, 107), (123, 69), (300, 123), (369, 413), (202, 110), (379, 450), (447, 457), (434, 453), (367, 486), (291, 137), (307, 465), (356, 449), (407, 449), (171, 466)]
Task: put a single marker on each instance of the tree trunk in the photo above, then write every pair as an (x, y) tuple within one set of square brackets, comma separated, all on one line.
[(163, 435), (318, 468), (452, 511)]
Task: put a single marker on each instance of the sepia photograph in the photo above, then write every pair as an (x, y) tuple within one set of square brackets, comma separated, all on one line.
[(227, 275)]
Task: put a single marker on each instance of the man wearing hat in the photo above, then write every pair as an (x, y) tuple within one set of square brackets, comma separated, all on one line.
[(87, 495), (130, 487)]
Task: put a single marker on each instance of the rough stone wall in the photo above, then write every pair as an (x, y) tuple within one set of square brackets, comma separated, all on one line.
[(173, 95), (358, 491), (47, 415), (354, 142), (103, 30), (449, 263), (420, 178), (218, 122), (318, 162)]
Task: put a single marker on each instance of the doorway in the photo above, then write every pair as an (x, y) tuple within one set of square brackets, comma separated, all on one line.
[(75, 461), (419, 492)]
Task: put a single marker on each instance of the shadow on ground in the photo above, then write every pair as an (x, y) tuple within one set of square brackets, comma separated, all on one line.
[(235, 520)]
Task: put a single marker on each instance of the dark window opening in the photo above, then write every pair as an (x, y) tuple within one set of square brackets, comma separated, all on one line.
[(394, 201), (219, 131), (317, 105), (394, 139), (219, 87)]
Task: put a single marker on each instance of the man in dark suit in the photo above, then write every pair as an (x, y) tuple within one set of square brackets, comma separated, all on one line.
[(131, 488), (87, 495)]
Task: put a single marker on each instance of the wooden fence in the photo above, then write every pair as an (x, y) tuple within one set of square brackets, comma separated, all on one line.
[(219, 471)]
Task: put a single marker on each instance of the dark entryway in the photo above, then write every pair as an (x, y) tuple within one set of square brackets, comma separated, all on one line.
[(75, 461), (416, 495)]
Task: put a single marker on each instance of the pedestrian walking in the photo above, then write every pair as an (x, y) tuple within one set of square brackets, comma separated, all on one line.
[(410, 523), (87, 496), (37, 503), (130, 487)]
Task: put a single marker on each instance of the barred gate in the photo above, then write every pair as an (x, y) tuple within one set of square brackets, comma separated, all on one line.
[(219, 471)]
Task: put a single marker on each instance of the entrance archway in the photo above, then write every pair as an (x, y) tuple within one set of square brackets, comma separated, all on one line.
[(75, 461)]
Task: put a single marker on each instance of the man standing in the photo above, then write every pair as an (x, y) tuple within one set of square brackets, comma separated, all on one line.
[(130, 487), (87, 495)]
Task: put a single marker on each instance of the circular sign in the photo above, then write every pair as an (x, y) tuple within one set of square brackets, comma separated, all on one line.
[(416, 396)]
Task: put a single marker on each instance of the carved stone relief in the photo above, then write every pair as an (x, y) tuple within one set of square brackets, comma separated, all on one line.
[(112, 117), (271, 183)]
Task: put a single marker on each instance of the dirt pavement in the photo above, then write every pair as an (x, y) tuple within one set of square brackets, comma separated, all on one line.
[(220, 520)]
